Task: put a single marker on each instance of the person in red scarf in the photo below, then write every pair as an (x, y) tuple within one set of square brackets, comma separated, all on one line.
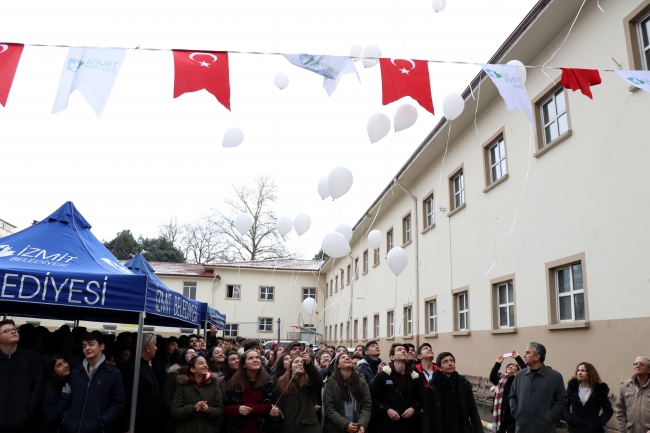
[(249, 397), (502, 419), (197, 405)]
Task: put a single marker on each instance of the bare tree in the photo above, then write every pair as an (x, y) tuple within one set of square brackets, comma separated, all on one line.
[(201, 242), (172, 230), (262, 242)]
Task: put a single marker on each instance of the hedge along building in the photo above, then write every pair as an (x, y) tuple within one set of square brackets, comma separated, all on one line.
[(572, 272), (252, 295)]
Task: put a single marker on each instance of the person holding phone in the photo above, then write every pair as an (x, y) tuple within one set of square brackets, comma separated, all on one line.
[(502, 420)]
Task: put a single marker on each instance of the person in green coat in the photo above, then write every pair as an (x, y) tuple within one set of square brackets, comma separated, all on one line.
[(197, 406), (346, 399), (296, 390)]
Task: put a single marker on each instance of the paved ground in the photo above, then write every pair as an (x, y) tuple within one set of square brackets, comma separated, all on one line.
[(487, 416)]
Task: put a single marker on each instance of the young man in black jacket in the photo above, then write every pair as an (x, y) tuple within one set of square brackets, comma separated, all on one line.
[(97, 391), (396, 394), (21, 383)]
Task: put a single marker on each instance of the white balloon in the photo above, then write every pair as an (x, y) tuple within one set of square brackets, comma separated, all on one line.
[(335, 245), (301, 223), (233, 137), (371, 51), (375, 237), (309, 305), (438, 5), (283, 225), (378, 127), (281, 80), (322, 188), (397, 260), (243, 223), (345, 230), (339, 181), (355, 52), (405, 117), (522, 70), (453, 106)]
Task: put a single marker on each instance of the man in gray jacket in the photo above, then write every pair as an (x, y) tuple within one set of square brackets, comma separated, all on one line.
[(538, 396)]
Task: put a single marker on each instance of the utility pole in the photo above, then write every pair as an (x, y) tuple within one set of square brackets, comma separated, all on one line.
[(279, 321)]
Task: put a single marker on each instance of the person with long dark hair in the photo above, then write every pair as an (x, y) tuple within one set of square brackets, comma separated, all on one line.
[(57, 392), (197, 407), (229, 369), (346, 399), (281, 366), (587, 397), (216, 359), (249, 397), (502, 419), (295, 391)]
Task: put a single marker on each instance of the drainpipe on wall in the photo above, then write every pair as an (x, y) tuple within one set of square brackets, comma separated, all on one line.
[(416, 303)]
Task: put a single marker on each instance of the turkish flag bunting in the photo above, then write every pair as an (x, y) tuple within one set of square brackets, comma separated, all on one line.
[(196, 70), (9, 58), (575, 79), (403, 77)]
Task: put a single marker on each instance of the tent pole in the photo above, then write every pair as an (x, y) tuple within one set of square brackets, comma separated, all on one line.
[(136, 373), (205, 333), (4, 316), (76, 324)]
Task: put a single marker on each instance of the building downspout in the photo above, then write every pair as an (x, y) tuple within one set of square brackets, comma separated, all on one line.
[(416, 303)]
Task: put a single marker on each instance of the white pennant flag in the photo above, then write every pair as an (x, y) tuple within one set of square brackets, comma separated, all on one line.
[(511, 87), (640, 79), (332, 68), (92, 71)]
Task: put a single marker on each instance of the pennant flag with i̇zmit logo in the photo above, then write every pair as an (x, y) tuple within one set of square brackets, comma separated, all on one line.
[(405, 77), (640, 79), (9, 58), (511, 88), (332, 68), (93, 72), (197, 70)]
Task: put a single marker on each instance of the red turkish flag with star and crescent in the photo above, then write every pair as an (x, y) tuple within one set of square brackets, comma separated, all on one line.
[(9, 58), (404, 77), (197, 70)]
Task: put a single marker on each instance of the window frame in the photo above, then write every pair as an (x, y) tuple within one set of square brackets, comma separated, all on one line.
[(259, 324), (487, 163), (227, 332), (356, 268), (365, 261), (552, 289), (375, 257), (336, 284), (342, 278), (190, 285), (390, 239), (453, 209), (376, 329), (233, 286), (356, 329), (309, 293), (390, 323), (633, 38), (407, 229), (271, 292), (426, 224), (541, 147), (433, 300), (349, 275), (457, 294), (364, 330), (408, 320), (571, 294), (497, 328)]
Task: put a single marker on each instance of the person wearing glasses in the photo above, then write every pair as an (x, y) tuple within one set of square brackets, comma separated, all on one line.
[(21, 382), (148, 407), (632, 411)]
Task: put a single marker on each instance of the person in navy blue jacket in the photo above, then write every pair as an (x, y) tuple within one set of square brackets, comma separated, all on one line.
[(97, 391), (57, 392)]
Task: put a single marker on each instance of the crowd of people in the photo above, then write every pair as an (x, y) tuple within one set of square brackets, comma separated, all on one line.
[(75, 381)]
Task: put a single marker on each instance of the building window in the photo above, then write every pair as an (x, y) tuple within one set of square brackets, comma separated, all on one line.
[(644, 40), (308, 292), (327, 288), (356, 329), (376, 257), (266, 293), (408, 321), (389, 240), (554, 117), (432, 317), (458, 188), (497, 160), (331, 287), (376, 323), (365, 261), (336, 331), (356, 268), (506, 304), (364, 331), (462, 308), (336, 283), (349, 268), (637, 37), (233, 291), (189, 289), (342, 274), (266, 324), (570, 293), (427, 211), (406, 229), (331, 334), (231, 330), (347, 330), (341, 333), (391, 323)]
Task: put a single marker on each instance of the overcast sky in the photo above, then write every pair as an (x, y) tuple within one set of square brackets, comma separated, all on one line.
[(151, 157)]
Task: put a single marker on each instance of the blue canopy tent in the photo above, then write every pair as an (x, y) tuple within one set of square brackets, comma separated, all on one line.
[(210, 316), (58, 269)]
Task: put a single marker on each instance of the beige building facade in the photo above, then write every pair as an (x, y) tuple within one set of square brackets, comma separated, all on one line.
[(253, 295), (6, 229), (520, 236)]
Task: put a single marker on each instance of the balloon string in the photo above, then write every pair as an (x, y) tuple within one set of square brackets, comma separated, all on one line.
[(477, 102), (565, 39), (293, 373), (530, 145), (291, 282), (442, 165)]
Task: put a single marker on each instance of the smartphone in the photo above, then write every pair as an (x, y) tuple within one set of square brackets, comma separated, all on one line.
[(507, 355)]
